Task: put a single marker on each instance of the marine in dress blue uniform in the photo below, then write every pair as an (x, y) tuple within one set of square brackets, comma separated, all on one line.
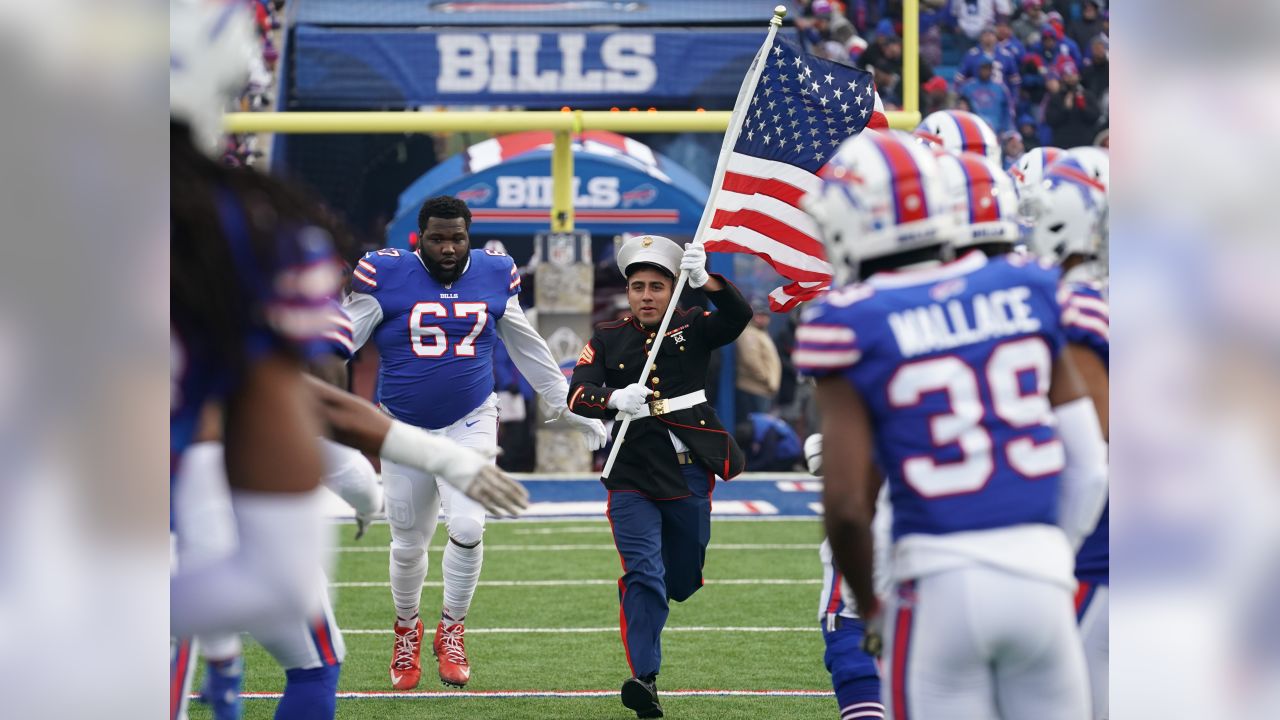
[(661, 485)]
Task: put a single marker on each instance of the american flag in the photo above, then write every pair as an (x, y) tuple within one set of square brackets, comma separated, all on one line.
[(802, 108)]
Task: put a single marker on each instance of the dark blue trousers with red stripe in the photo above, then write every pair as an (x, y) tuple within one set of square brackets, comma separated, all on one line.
[(663, 544)]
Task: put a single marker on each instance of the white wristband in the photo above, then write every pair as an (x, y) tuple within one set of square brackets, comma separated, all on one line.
[(415, 447)]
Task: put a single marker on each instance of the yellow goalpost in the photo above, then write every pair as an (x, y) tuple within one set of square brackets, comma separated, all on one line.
[(564, 123)]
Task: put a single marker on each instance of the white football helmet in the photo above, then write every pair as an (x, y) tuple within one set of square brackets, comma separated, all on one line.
[(211, 49), (882, 195), (960, 131), (983, 198), (1028, 179), (1096, 162), (1069, 219), (1028, 171)]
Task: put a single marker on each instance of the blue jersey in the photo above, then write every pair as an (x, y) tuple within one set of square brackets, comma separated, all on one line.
[(288, 308), (436, 340), (954, 365), (1086, 320)]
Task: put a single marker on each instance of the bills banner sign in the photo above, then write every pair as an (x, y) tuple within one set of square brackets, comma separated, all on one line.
[(400, 67)]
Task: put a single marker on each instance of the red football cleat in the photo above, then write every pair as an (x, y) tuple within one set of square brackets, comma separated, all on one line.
[(450, 650), (406, 670)]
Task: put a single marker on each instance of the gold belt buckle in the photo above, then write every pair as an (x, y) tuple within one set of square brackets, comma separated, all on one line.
[(658, 407)]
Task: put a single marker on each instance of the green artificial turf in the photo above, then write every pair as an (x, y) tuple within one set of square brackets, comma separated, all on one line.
[(785, 656)]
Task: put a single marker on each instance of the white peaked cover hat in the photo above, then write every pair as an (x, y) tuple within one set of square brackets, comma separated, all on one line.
[(651, 249)]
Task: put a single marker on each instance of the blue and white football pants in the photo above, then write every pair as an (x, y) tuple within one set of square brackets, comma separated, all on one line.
[(981, 642), (413, 502), (206, 531), (854, 675)]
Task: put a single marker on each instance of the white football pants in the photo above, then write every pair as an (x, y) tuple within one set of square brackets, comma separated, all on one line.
[(1095, 629), (413, 502), (207, 531), (980, 643)]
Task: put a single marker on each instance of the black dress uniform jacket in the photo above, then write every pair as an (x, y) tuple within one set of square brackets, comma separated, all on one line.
[(613, 359)]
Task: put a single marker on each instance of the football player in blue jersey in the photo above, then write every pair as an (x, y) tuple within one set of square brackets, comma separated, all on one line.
[(252, 278), (854, 675), (246, 295), (950, 377), (1070, 228), (435, 315)]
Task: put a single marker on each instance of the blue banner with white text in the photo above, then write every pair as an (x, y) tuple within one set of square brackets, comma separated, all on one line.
[(346, 68)]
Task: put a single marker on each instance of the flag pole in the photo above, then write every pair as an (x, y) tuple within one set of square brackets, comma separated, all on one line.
[(740, 106)]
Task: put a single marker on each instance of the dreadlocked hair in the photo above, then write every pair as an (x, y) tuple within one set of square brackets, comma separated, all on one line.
[(206, 288), (445, 207)]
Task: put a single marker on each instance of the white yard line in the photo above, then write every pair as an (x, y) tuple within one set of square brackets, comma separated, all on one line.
[(594, 630), (596, 529), (446, 694), (346, 519), (557, 548), (594, 581)]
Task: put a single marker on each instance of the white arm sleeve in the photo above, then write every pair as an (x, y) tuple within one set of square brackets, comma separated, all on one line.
[(533, 359), (1084, 478), (366, 313)]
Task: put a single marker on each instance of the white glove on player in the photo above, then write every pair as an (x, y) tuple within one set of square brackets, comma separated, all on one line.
[(813, 454), (592, 430), (487, 485), (468, 470), (630, 399), (694, 261)]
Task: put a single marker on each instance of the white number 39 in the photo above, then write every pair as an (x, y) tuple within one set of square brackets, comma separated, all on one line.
[(963, 424)]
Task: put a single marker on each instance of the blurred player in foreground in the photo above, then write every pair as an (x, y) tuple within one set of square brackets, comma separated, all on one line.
[(950, 377), (435, 315), (253, 275)]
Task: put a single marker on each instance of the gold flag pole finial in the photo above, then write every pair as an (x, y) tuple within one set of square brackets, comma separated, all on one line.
[(779, 12)]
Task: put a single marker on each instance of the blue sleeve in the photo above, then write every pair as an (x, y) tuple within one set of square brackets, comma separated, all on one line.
[(374, 268), (1086, 318), (826, 341), (509, 273), (966, 69)]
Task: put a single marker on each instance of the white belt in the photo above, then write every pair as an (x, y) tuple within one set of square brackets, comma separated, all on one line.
[(670, 405)]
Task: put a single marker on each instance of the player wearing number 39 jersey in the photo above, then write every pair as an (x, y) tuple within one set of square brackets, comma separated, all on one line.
[(950, 378), (435, 315)]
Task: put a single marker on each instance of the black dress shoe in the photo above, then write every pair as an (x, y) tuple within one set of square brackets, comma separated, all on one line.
[(642, 696)]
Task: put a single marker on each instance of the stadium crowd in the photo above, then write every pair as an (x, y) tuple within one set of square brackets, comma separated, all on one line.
[(1036, 70)]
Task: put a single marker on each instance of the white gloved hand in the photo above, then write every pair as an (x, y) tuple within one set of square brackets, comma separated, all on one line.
[(630, 399), (813, 454), (592, 430), (494, 489), (694, 261), (470, 471)]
